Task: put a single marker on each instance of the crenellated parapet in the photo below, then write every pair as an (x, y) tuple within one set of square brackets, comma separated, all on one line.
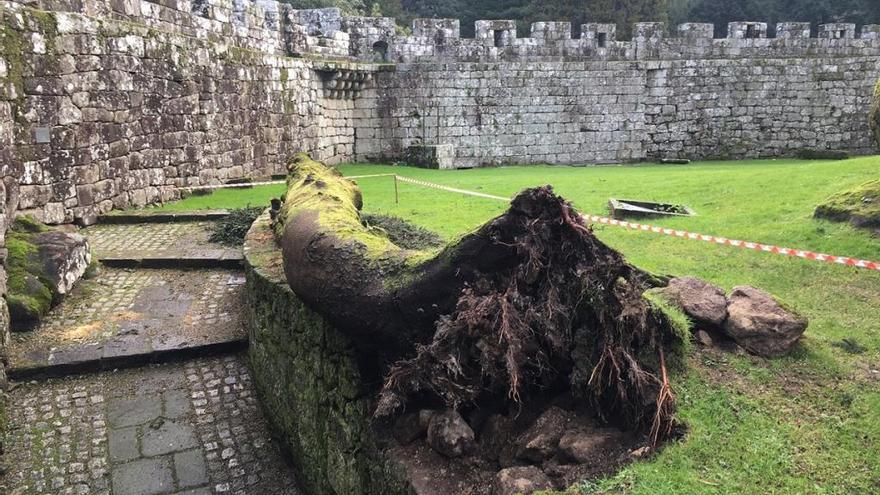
[(275, 28)]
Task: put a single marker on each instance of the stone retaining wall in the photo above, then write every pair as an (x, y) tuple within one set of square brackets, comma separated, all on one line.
[(309, 383)]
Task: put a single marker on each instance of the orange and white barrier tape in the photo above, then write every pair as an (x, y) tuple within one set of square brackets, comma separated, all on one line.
[(267, 183), (450, 189), (683, 234)]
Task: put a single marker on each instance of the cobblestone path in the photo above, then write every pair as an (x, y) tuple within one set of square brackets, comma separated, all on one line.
[(189, 427)]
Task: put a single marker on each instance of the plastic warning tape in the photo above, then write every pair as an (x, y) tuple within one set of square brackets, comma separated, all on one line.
[(234, 186), (683, 234), (269, 183), (450, 189)]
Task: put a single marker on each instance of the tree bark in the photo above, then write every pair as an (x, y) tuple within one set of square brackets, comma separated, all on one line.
[(529, 299)]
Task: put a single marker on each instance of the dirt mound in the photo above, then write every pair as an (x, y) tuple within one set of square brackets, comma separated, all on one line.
[(528, 308)]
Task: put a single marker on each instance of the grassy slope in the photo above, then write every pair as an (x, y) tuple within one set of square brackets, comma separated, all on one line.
[(809, 423)]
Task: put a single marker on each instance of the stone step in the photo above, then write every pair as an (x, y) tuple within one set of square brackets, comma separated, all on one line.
[(150, 216), (124, 318), (160, 245)]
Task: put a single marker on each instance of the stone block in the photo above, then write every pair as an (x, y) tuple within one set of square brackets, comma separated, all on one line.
[(498, 33), (696, 30), (437, 29), (746, 30), (143, 477), (648, 32), (793, 30), (441, 156), (837, 31)]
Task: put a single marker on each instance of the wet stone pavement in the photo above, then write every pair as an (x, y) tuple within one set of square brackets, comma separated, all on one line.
[(135, 314), (191, 426), (186, 428)]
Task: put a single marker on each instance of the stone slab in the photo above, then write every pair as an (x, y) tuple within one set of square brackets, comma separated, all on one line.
[(159, 245), (124, 318), (149, 216)]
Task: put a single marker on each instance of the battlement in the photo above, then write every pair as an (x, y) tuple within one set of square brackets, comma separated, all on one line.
[(275, 28), (110, 104)]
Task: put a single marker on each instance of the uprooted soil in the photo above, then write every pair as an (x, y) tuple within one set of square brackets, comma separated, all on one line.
[(501, 442), (528, 309)]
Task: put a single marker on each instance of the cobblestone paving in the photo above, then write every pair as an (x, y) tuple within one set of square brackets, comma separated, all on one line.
[(123, 312), (192, 428), (157, 240)]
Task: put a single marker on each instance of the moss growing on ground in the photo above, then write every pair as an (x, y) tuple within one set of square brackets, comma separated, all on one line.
[(859, 206)]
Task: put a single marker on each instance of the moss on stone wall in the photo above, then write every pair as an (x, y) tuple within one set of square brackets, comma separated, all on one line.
[(310, 384), (11, 50)]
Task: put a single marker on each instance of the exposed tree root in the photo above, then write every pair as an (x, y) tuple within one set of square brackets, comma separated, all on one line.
[(530, 300)]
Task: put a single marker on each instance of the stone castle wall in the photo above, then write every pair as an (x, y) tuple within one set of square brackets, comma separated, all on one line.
[(553, 99), (121, 103), (111, 114)]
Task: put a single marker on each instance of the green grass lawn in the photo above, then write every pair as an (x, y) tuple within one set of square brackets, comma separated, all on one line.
[(807, 423)]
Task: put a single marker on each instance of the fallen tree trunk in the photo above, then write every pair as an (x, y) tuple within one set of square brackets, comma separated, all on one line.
[(529, 300)]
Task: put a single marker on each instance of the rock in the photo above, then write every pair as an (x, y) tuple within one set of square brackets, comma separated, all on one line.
[(425, 416), (702, 301), (408, 428), (585, 446), (540, 441), (640, 453), (43, 265), (524, 480), (758, 323), (449, 434), (495, 438), (704, 338), (65, 256)]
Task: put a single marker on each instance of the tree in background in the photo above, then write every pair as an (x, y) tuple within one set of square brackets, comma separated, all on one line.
[(622, 12), (720, 12), (350, 7)]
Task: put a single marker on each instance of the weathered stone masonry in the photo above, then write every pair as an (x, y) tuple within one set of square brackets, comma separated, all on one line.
[(553, 99), (121, 103), (117, 103)]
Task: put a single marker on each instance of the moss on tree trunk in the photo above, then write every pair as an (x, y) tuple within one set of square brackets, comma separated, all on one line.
[(529, 301)]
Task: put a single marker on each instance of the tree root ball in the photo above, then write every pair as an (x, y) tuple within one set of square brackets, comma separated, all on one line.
[(528, 303)]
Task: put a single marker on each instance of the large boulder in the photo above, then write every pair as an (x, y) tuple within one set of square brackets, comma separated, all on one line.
[(65, 257), (43, 265), (449, 434), (760, 324), (705, 303), (521, 480)]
